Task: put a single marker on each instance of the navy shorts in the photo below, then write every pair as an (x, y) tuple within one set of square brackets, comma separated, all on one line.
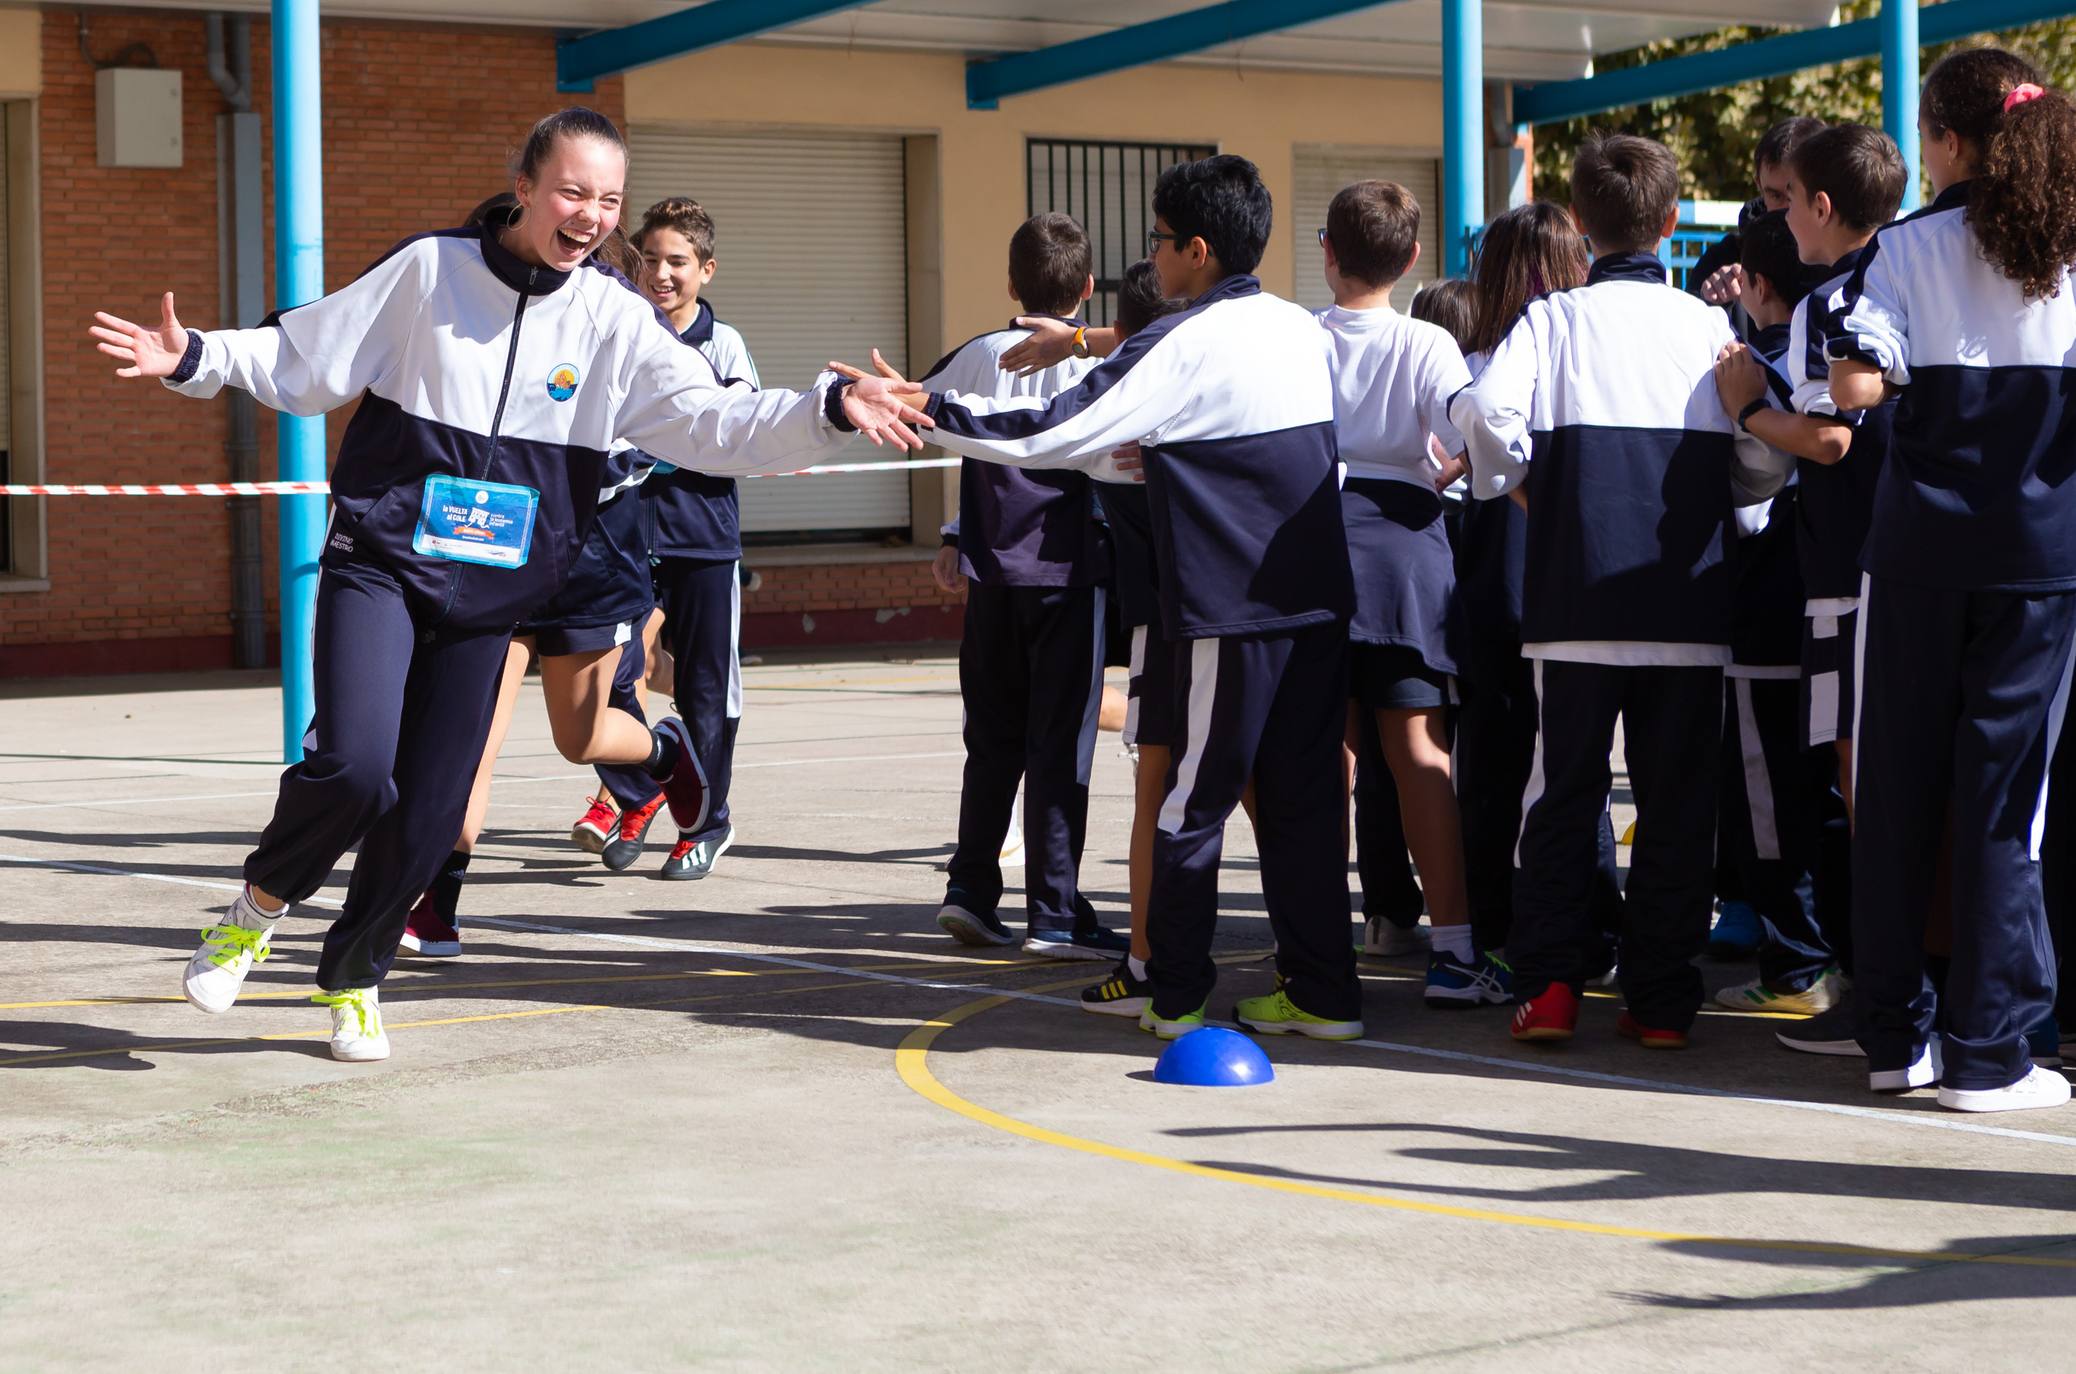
[(1150, 709), (555, 639), (1393, 677), (1829, 676)]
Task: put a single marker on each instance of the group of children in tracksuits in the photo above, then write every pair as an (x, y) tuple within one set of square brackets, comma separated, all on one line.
[(1671, 529), (1822, 570)]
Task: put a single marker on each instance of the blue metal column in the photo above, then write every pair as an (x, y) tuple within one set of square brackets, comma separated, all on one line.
[(1899, 82), (298, 279), (1463, 130)]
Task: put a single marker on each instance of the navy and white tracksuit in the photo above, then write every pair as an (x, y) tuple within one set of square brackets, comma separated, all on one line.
[(468, 363), (1603, 401), (1835, 506), (693, 523), (1781, 826), (1232, 403), (1967, 623), (1030, 654)]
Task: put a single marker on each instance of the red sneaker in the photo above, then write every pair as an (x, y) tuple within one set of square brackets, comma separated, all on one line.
[(1650, 1037), (626, 844), (428, 934), (595, 831), (685, 788), (1551, 1014)]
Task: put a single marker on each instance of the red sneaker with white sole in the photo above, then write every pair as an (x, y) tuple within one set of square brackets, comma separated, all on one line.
[(428, 934), (595, 830), (1650, 1037), (1552, 1014)]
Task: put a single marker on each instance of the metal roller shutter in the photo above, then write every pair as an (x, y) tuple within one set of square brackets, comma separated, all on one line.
[(811, 241), (1321, 171)]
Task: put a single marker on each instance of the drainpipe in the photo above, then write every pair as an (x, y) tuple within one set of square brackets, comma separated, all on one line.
[(242, 271)]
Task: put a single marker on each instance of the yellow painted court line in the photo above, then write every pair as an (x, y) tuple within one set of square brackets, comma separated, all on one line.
[(911, 1060), (438, 989)]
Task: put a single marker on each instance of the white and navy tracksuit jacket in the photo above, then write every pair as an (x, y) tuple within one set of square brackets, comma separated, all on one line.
[(470, 363), (1967, 626), (692, 514), (1030, 655), (1835, 504), (1602, 400), (1232, 403)]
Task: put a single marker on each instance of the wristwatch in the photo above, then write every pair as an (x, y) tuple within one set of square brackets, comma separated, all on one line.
[(1081, 342), (1746, 414)]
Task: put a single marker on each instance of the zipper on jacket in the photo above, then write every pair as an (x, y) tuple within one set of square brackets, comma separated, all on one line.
[(497, 419)]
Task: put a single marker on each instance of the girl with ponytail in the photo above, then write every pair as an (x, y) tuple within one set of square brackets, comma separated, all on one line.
[(1968, 609)]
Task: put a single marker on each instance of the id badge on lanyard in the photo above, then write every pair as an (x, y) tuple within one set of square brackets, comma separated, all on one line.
[(476, 522)]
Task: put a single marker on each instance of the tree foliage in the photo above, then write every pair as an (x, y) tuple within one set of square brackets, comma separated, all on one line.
[(1714, 133)]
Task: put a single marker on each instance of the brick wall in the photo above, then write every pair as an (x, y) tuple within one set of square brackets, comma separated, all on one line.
[(846, 603), (419, 123)]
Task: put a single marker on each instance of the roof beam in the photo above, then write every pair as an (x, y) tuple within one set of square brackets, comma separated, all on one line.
[(1777, 56), (1156, 40), (580, 61)]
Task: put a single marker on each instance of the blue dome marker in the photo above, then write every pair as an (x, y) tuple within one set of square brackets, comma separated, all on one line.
[(1214, 1058)]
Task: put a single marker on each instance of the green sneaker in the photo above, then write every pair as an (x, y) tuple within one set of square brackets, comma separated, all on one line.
[(1275, 1014), (1174, 1029)]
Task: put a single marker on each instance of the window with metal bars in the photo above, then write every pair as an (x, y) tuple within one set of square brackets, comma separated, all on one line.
[(1109, 188)]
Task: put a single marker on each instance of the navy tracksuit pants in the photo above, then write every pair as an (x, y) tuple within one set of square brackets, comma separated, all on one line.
[(1272, 708), (1382, 865), (1961, 700), (1031, 677), (1672, 720), (1776, 829), (1494, 755), (630, 783), (702, 624), (403, 710)]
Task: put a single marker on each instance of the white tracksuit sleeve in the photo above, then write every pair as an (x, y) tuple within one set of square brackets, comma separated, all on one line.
[(1493, 413), (678, 410), (1808, 394), (316, 357), (1129, 397), (1877, 321)]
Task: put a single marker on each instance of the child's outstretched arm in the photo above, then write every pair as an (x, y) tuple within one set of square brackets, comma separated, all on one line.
[(1493, 413), (1052, 342), (304, 360), (1874, 353)]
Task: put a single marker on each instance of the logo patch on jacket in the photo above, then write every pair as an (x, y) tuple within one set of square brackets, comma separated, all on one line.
[(562, 381)]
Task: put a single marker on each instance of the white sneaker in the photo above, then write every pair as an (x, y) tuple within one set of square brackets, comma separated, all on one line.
[(1922, 1073), (357, 1034), (229, 949), (1385, 940), (2039, 1088), (1814, 1000)]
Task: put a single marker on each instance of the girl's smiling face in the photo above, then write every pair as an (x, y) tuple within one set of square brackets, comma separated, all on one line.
[(572, 206)]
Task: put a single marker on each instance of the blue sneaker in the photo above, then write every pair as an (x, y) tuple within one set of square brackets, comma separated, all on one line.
[(1737, 933), (970, 927), (1482, 982), (2044, 1043)]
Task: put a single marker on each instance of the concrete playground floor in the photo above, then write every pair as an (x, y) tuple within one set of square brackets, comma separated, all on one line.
[(775, 1120)]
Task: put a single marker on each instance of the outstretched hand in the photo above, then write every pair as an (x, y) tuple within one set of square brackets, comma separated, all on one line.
[(1051, 342), (145, 352), (886, 409)]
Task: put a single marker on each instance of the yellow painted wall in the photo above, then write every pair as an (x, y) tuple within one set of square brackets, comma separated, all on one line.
[(1260, 115), (21, 52)]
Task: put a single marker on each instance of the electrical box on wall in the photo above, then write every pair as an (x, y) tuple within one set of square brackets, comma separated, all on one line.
[(137, 117)]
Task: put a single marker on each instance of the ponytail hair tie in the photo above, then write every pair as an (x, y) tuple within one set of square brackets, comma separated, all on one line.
[(2020, 94)]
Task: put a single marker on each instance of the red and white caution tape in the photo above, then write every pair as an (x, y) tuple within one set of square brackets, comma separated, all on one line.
[(320, 488)]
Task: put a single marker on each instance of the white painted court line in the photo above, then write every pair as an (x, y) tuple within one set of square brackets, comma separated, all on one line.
[(497, 782), (1923, 1121)]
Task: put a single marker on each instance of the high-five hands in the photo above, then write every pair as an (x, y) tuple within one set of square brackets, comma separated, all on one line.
[(883, 408), (143, 352)]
